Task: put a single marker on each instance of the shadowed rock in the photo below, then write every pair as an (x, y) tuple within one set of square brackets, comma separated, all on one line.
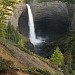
[(51, 20)]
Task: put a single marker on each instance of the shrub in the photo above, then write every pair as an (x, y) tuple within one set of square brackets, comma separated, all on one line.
[(73, 72), (37, 71), (5, 65), (12, 34)]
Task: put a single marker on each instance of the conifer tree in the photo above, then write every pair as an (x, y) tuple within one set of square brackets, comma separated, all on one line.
[(57, 57), (12, 33)]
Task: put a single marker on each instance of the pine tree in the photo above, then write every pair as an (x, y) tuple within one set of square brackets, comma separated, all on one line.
[(57, 57)]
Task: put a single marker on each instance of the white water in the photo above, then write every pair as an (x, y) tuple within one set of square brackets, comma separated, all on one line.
[(32, 35)]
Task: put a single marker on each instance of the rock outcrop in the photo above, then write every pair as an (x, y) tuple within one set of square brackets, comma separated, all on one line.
[(19, 8)]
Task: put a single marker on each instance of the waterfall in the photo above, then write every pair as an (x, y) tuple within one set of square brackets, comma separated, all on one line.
[(32, 34)]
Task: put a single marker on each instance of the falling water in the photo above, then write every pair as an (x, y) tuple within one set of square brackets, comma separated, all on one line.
[(32, 35)]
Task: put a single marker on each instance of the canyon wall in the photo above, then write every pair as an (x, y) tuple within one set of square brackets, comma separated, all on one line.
[(51, 20)]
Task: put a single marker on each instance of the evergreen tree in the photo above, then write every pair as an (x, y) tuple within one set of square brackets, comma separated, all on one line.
[(12, 34), (57, 57), (28, 1)]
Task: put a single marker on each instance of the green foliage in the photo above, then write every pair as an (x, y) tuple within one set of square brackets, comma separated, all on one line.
[(57, 57), (73, 72), (69, 46), (12, 34), (15, 36), (2, 25), (5, 65), (36, 71), (7, 3), (66, 71), (4, 10), (28, 1), (68, 1), (2, 30), (43, 1), (21, 43)]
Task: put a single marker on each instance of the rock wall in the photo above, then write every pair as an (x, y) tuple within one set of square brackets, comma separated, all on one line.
[(51, 20), (19, 8)]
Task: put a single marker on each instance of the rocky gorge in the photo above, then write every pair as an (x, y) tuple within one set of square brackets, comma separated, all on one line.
[(52, 21)]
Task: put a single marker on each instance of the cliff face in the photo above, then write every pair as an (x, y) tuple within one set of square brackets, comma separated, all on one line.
[(51, 20), (19, 8)]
